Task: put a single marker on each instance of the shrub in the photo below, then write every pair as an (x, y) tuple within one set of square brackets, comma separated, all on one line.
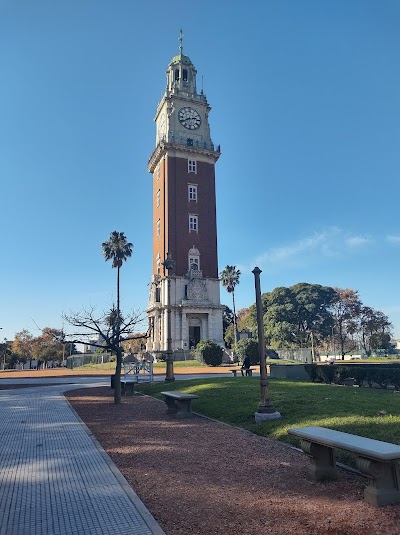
[(327, 373), (247, 347), (381, 374), (312, 370), (210, 352)]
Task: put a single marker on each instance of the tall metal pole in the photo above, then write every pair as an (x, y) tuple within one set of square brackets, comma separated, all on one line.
[(169, 374), (265, 411)]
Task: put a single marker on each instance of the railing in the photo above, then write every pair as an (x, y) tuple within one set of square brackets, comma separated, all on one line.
[(138, 371), (183, 142)]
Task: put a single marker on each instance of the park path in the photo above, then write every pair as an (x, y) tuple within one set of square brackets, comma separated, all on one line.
[(55, 479)]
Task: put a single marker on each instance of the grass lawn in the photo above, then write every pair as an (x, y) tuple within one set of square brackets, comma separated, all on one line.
[(361, 411), (179, 364), (162, 365)]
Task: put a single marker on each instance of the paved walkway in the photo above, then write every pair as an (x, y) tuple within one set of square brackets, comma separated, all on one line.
[(55, 479)]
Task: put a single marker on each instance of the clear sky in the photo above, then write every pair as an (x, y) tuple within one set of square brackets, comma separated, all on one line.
[(305, 105)]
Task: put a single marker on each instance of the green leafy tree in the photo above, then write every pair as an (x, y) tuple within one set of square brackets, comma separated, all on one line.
[(248, 347), (227, 318), (297, 316), (230, 277), (230, 336), (346, 310), (117, 249), (210, 352), (375, 330), (5, 354), (243, 323)]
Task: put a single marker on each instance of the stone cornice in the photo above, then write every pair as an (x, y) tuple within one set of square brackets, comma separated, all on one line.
[(163, 148)]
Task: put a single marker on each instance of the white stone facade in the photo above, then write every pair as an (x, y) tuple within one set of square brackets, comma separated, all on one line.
[(196, 312)]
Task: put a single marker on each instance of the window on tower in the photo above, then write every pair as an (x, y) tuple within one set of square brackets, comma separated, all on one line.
[(192, 166), (158, 227), (189, 142), (185, 75), (192, 192), (176, 74), (194, 259), (158, 198), (193, 223)]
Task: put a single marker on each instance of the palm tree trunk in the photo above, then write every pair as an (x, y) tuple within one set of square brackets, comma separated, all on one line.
[(117, 377), (234, 319)]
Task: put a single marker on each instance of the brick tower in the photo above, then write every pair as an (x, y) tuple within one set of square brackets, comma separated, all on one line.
[(184, 216)]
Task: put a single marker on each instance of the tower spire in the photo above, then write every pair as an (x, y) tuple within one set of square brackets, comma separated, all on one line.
[(180, 42)]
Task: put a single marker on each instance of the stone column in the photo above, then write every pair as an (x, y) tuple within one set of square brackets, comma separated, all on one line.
[(185, 334), (210, 322)]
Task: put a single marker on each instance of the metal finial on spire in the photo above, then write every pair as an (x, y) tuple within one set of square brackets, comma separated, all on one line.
[(180, 42)]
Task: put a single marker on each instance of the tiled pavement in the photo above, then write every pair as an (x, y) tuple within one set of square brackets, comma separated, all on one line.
[(54, 477)]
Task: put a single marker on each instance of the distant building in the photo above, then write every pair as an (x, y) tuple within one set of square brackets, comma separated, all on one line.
[(90, 347), (244, 334)]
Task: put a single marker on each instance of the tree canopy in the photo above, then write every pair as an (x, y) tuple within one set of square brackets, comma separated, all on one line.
[(308, 315)]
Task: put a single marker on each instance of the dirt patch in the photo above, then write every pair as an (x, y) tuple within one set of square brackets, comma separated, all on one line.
[(64, 372), (200, 477)]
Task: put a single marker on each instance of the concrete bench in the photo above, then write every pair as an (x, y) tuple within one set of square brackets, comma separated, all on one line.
[(179, 403), (377, 460), (249, 371)]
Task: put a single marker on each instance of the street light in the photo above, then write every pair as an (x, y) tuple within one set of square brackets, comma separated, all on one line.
[(265, 411), (169, 265)]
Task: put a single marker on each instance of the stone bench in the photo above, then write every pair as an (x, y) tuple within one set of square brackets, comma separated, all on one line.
[(249, 371), (178, 403), (377, 460)]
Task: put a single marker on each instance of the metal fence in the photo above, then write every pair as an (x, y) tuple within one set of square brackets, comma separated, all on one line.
[(303, 354), (76, 361)]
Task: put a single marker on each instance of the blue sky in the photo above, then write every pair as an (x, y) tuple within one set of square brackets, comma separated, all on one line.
[(305, 105)]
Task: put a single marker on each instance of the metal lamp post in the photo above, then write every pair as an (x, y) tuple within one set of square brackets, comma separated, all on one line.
[(265, 411), (169, 265)]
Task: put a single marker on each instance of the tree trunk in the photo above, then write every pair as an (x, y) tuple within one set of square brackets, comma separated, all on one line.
[(117, 377), (234, 319)]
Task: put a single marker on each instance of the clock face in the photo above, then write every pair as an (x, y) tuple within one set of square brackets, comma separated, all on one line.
[(189, 118)]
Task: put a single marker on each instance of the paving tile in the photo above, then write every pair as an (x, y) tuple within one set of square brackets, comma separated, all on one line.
[(53, 478)]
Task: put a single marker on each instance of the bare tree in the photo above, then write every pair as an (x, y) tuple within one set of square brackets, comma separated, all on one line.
[(110, 328)]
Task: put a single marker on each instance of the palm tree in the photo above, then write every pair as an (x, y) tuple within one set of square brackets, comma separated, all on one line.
[(230, 278), (117, 249)]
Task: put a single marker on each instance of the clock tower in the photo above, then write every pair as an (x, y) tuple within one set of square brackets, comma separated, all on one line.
[(184, 217)]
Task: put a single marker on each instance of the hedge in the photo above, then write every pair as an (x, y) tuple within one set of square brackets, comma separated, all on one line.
[(367, 375)]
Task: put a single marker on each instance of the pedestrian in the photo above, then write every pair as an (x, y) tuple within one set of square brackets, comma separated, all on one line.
[(245, 366)]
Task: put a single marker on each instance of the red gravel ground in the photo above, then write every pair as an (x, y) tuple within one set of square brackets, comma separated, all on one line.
[(200, 477)]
